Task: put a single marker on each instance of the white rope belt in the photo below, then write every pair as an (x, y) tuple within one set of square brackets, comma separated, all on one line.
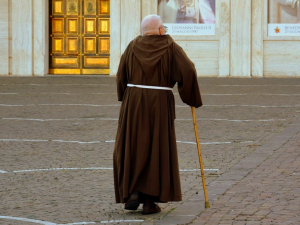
[(149, 87)]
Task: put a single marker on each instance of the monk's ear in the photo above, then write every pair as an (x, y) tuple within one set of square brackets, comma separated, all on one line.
[(162, 30)]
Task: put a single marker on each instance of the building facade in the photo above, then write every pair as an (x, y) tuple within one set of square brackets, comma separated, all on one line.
[(79, 37)]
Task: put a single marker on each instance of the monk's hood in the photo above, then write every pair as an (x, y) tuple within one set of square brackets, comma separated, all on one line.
[(148, 50)]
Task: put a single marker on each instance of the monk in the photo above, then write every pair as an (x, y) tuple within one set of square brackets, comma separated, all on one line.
[(145, 157)]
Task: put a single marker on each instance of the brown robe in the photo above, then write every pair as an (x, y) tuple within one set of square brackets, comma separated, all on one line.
[(145, 154)]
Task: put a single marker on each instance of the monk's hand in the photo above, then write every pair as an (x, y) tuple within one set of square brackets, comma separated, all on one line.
[(293, 3)]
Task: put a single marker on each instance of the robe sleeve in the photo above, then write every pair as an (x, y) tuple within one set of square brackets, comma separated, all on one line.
[(184, 73), (121, 77)]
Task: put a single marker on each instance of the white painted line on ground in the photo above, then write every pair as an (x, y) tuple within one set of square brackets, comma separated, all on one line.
[(27, 220), (223, 94), (246, 142), (205, 143), (112, 141), (116, 119), (256, 94), (91, 168), (2, 171), (186, 142), (221, 85), (178, 106), (91, 105), (75, 223), (256, 106), (22, 140), (78, 223), (56, 169), (121, 221), (79, 142), (192, 170), (9, 93), (261, 120), (48, 120), (61, 141), (256, 85), (28, 119), (6, 105), (216, 143), (114, 93), (105, 85), (251, 94), (57, 85), (278, 94), (88, 105), (54, 93)]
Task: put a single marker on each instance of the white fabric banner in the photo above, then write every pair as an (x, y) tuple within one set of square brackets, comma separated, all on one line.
[(190, 29), (281, 29)]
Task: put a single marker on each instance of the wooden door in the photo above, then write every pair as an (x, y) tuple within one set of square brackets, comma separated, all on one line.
[(79, 36)]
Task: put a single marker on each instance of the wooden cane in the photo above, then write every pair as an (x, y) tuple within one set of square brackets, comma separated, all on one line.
[(200, 158)]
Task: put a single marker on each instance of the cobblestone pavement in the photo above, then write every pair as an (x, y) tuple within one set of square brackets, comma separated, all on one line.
[(57, 137)]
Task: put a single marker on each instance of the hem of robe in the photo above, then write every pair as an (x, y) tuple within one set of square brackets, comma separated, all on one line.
[(158, 199)]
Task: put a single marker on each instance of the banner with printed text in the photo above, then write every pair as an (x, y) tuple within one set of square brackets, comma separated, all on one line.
[(283, 18), (188, 17)]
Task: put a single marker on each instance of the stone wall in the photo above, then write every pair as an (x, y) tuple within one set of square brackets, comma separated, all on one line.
[(22, 37), (240, 48)]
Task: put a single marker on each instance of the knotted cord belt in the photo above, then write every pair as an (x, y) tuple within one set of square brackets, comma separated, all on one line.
[(149, 87)]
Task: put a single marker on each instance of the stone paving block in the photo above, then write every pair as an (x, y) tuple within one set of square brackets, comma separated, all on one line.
[(64, 122), (238, 223), (253, 223), (172, 220)]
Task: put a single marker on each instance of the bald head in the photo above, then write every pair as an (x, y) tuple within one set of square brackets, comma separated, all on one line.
[(151, 25)]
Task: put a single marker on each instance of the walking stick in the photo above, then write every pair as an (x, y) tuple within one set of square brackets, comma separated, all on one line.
[(200, 158)]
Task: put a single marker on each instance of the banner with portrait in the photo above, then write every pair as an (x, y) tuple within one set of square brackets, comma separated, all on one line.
[(283, 18), (188, 17)]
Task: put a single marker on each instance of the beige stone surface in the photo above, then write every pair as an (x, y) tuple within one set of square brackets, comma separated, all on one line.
[(281, 58), (240, 56), (149, 7), (257, 38), (4, 57), (204, 54), (224, 32), (130, 21), (115, 35), (22, 37), (39, 37)]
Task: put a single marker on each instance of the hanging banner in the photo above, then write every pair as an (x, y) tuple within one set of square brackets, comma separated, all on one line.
[(188, 17), (284, 18)]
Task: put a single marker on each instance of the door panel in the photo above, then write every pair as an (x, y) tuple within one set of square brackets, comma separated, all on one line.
[(79, 36)]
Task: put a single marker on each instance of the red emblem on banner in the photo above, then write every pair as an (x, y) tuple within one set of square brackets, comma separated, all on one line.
[(277, 30)]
